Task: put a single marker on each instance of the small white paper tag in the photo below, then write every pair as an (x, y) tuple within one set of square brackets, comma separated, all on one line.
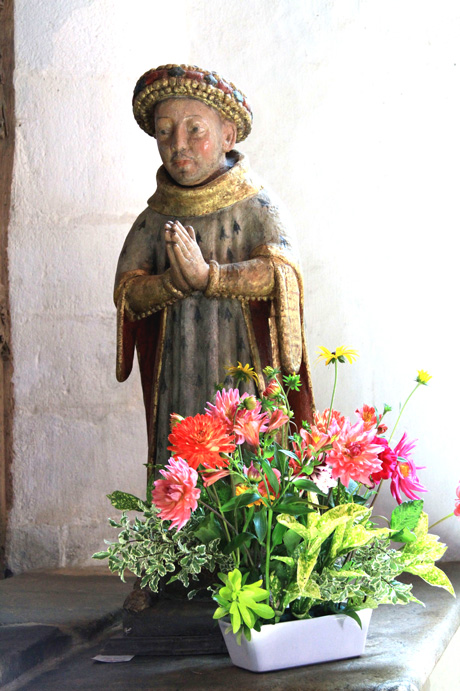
[(113, 658)]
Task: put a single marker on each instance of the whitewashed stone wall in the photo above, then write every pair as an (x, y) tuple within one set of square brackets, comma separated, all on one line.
[(356, 128)]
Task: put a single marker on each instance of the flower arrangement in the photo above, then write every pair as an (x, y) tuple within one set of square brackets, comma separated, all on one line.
[(282, 516)]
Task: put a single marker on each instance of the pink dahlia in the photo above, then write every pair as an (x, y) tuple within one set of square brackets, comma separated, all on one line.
[(226, 404), (201, 440), (457, 502), (368, 416), (389, 461), (404, 477), (177, 495), (354, 454)]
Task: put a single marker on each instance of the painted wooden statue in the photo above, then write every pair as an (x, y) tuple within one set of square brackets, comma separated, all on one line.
[(207, 276)]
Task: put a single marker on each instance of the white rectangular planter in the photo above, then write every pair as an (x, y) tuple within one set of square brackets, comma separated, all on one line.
[(301, 642)]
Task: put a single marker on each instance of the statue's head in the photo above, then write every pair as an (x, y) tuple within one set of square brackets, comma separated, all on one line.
[(196, 117)]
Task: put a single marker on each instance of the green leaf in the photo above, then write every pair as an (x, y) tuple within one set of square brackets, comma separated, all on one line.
[(294, 508), (219, 613), (353, 614), (310, 486), (357, 536), (209, 529), (271, 477), (235, 616), (406, 515), (100, 555), (248, 616), (238, 541), (432, 575), (260, 524), (278, 534), (292, 524), (126, 502), (241, 500), (305, 565), (403, 535), (290, 561), (291, 539), (264, 611)]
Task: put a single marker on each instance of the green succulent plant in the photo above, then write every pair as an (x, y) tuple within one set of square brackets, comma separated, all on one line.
[(242, 603)]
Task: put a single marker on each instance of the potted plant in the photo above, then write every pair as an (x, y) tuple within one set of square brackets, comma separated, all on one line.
[(284, 516)]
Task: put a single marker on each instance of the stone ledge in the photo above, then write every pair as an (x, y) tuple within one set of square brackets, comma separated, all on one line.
[(45, 614), (404, 646)]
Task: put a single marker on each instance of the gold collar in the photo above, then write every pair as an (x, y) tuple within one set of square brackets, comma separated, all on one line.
[(171, 199)]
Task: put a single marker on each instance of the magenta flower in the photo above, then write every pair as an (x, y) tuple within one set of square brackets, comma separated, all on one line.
[(389, 461), (404, 477), (457, 502), (354, 454), (177, 495)]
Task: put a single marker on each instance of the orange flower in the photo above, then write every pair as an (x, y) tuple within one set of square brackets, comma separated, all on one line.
[(201, 440), (368, 416), (336, 424)]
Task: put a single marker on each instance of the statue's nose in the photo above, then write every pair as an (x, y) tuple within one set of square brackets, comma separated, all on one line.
[(179, 139)]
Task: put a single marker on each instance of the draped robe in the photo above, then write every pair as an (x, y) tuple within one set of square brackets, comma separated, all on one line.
[(251, 310)]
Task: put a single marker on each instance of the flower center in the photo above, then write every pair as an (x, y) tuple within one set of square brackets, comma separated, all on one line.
[(405, 469), (354, 449)]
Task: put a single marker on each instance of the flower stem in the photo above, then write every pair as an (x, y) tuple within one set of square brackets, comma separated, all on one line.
[(374, 498), (441, 520), (220, 515), (333, 394), (402, 410), (268, 552)]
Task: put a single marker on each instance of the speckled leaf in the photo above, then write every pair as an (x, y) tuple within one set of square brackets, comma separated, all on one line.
[(432, 575), (290, 522), (305, 565), (125, 501), (406, 515), (331, 520), (357, 536), (426, 548), (290, 561)]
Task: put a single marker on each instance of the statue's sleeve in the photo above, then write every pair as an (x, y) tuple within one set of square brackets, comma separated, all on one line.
[(145, 290), (288, 304), (139, 290)]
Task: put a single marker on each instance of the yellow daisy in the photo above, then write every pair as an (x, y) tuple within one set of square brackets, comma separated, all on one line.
[(243, 373), (423, 377), (339, 354)]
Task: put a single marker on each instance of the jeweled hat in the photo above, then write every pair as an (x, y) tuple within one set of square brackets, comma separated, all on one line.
[(190, 81)]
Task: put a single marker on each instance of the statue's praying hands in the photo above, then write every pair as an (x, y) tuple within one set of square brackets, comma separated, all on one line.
[(188, 267)]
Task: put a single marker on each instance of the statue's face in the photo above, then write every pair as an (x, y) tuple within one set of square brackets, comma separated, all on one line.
[(192, 140)]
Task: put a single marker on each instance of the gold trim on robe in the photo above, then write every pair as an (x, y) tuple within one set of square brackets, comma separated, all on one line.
[(237, 184)]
